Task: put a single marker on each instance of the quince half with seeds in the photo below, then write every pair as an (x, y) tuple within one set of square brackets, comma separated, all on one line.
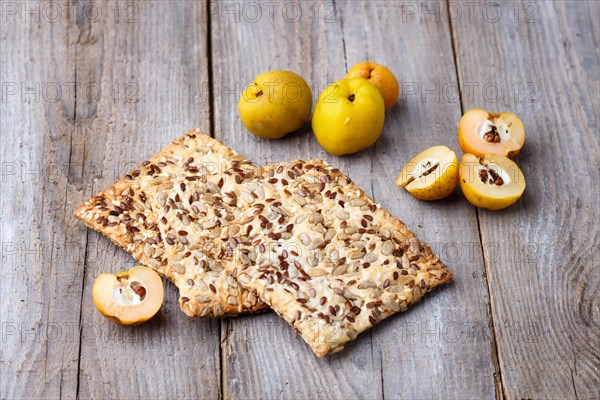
[(481, 132), (431, 174), (491, 181), (129, 297)]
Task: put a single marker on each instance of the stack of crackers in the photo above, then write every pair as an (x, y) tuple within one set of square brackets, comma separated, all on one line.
[(299, 237)]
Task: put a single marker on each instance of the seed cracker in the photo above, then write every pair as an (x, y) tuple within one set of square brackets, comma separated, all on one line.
[(326, 257), (127, 211), (195, 218)]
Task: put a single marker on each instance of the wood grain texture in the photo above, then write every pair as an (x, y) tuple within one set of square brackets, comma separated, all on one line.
[(542, 253), (161, 53), (445, 338), (397, 345), (42, 251), (262, 356), (87, 96), (136, 72)]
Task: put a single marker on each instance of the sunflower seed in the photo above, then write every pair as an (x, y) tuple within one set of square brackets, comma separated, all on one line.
[(305, 239), (203, 299), (180, 269), (301, 218), (367, 285), (315, 218), (387, 248), (370, 257), (343, 215), (358, 202), (316, 272)]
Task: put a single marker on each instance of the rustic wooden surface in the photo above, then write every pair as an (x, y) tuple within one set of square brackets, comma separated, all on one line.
[(521, 319)]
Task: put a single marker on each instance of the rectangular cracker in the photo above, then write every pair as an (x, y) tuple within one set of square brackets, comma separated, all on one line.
[(127, 213), (195, 218), (326, 257)]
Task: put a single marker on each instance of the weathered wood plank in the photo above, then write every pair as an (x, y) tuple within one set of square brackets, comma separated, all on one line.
[(440, 348), (541, 254), (262, 356), (149, 60), (156, 54), (111, 120), (247, 349), (41, 253)]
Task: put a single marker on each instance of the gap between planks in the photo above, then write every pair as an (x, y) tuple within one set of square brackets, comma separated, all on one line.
[(498, 383), (223, 326), (87, 232)]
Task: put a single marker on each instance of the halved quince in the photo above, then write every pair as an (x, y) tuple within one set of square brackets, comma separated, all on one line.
[(129, 297), (431, 174), (491, 181), (481, 132)]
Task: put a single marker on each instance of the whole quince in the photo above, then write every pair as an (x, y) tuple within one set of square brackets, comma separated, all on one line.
[(379, 76), (349, 116), (276, 103)]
